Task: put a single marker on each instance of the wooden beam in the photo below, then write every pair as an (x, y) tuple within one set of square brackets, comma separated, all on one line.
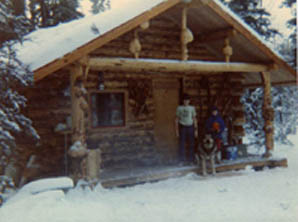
[(268, 114), (198, 3), (172, 66), (284, 83), (217, 35), (69, 58)]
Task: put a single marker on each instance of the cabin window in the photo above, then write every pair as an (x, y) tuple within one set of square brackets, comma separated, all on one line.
[(107, 109)]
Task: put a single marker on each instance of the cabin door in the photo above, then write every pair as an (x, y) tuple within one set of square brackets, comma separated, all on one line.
[(166, 99)]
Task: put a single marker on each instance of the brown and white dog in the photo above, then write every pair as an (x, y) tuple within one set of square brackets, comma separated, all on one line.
[(207, 150)]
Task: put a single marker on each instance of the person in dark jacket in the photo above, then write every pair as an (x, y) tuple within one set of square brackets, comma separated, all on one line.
[(215, 125)]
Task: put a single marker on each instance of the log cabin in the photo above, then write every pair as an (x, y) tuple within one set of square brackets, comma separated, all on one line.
[(128, 67)]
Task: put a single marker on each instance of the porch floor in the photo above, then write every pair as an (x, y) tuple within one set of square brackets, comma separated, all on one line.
[(133, 176)]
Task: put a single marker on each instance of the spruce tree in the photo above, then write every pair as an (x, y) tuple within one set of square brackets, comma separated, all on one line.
[(285, 103), (45, 13), (254, 15), (14, 76), (13, 23), (99, 6), (292, 23), (284, 99)]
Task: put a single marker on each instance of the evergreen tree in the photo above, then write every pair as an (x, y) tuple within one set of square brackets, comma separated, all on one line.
[(284, 99), (99, 6), (45, 13), (285, 103), (13, 77), (254, 15), (13, 23), (252, 100), (18, 7), (292, 23)]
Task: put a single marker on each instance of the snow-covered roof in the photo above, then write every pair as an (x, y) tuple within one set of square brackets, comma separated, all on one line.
[(47, 46)]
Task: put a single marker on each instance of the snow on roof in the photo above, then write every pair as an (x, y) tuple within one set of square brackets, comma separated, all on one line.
[(47, 44)]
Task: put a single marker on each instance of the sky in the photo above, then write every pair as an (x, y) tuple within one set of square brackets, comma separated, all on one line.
[(280, 15)]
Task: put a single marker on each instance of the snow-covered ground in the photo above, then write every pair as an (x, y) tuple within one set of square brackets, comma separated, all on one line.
[(267, 196)]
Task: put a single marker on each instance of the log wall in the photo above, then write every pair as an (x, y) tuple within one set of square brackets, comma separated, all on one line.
[(160, 41), (223, 91), (132, 145), (48, 105)]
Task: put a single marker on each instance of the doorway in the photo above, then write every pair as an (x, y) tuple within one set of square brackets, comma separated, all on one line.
[(166, 100)]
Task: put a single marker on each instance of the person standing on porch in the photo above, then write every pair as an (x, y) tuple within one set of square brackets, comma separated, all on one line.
[(216, 125), (186, 129)]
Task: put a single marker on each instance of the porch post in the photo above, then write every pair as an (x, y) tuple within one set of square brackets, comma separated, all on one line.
[(88, 160), (78, 104), (268, 114), (79, 107)]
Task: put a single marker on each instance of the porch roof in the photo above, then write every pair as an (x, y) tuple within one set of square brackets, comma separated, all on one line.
[(204, 17)]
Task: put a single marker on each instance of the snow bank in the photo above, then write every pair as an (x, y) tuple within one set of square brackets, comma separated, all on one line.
[(246, 196), (47, 184), (41, 187)]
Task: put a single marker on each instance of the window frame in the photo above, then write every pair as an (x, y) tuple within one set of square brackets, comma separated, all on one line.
[(124, 109)]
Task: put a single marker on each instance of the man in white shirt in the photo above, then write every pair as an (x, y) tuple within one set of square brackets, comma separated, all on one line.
[(186, 129)]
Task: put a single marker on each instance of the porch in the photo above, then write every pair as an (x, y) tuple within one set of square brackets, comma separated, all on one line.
[(133, 176)]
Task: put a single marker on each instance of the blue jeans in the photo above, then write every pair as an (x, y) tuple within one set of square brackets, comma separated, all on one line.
[(186, 135)]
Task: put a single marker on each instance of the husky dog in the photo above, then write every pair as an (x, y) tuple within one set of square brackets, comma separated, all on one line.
[(207, 151)]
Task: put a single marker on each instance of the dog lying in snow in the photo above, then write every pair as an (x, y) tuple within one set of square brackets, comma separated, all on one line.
[(207, 150)]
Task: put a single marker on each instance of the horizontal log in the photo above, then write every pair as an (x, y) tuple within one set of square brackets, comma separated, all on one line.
[(142, 126), (151, 39), (285, 83), (151, 53), (93, 77), (116, 84), (162, 23), (106, 134), (217, 35), (172, 65), (124, 76), (167, 45), (239, 122), (238, 130), (236, 78)]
